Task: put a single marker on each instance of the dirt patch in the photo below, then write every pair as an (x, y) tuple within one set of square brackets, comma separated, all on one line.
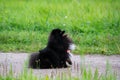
[(18, 61)]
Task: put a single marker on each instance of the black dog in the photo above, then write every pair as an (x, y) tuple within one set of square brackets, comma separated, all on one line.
[(55, 54)]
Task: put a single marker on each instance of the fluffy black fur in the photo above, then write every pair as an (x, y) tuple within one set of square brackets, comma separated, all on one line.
[(55, 54)]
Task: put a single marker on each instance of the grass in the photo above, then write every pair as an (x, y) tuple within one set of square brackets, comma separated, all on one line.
[(85, 76), (93, 25), (82, 74)]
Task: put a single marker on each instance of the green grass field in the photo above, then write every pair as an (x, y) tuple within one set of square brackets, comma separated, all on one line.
[(94, 25)]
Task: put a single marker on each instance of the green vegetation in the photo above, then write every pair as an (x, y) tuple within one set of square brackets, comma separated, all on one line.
[(94, 25), (84, 74)]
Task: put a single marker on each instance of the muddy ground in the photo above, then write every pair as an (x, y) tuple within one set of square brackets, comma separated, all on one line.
[(18, 62)]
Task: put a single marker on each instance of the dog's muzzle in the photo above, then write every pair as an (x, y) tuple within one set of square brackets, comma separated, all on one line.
[(72, 46)]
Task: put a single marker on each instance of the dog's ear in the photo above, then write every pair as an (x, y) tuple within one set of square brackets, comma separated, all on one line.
[(55, 31), (62, 32)]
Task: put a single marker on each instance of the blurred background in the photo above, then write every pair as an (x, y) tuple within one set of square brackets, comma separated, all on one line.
[(94, 25)]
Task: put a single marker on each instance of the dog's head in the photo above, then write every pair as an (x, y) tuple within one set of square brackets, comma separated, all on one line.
[(60, 41)]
